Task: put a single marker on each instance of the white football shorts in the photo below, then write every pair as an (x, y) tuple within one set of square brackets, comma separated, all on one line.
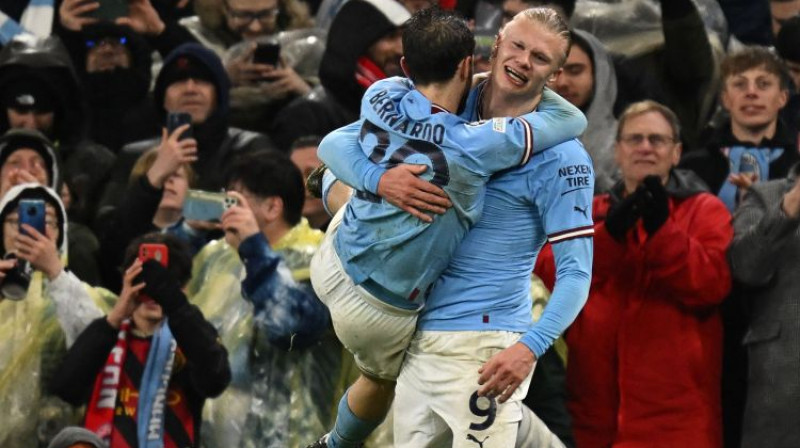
[(375, 332)]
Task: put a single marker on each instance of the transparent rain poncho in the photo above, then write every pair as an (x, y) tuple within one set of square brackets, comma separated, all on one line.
[(32, 344), (633, 27), (277, 398)]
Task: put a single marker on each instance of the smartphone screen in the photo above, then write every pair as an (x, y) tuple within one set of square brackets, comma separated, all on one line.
[(267, 54), (154, 251), (110, 10), (205, 205), (178, 119), (31, 212)]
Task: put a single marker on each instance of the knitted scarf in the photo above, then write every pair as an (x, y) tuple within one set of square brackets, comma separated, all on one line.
[(152, 391)]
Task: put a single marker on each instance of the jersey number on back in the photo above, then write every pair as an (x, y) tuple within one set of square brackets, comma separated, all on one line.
[(441, 173)]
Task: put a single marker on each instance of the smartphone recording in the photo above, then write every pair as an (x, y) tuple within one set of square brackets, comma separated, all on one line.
[(269, 54), (206, 206), (178, 119)]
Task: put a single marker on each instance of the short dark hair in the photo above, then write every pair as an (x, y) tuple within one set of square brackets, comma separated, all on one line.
[(179, 254), (434, 43), (754, 57), (306, 141), (270, 173), (576, 40)]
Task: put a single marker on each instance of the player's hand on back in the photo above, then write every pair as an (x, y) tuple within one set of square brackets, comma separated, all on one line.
[(402, 187), (504, 372)]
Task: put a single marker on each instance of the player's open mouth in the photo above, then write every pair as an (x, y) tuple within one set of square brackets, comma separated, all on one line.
[(516, 77)]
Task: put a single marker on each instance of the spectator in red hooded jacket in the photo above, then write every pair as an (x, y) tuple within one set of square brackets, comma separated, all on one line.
[(645, 354)]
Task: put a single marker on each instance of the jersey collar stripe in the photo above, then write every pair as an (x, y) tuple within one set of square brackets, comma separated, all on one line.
[(578, 232), (437, 109)]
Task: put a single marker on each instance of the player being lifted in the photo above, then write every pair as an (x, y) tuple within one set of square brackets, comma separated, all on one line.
[(470, 362), (378, 263)]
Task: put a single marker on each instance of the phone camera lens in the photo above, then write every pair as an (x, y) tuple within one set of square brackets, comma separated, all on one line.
[(31, 211)]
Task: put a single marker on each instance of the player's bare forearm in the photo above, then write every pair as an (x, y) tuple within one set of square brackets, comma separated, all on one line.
[(337, 196)]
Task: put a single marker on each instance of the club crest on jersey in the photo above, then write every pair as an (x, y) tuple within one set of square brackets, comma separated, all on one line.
[(499, 125)]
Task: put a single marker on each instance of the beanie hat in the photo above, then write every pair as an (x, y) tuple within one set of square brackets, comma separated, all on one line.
[(788, 40), (16, 139), (195, 61), (25, 93), (185, 67)]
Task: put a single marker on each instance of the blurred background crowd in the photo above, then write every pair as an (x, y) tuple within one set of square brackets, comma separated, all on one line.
[(693, 321)]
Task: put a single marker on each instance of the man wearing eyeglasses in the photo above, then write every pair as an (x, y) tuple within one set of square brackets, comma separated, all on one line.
[(261, 87), (229, 22), (238, 21), (645, 354), (252, 18)]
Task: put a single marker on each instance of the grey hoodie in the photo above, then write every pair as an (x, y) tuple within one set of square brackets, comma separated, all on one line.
[(598, 139)]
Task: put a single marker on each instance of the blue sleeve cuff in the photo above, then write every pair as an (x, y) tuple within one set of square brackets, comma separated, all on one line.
[(253, 246), (260, 263), (328, 179), (373, 177), (528, 341)]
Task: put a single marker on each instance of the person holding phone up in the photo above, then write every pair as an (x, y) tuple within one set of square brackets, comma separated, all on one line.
[(265, 80), (31, 337), (193, 81), (162, 33), (288, 364), (247, 23), (260, 63), (145, 369), (153, 201)]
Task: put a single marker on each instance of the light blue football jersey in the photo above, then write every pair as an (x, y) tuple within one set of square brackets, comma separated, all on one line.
[(487, 283), (391, 253)]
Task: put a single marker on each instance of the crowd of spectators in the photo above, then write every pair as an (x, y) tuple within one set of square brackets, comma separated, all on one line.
[(691, 331)]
